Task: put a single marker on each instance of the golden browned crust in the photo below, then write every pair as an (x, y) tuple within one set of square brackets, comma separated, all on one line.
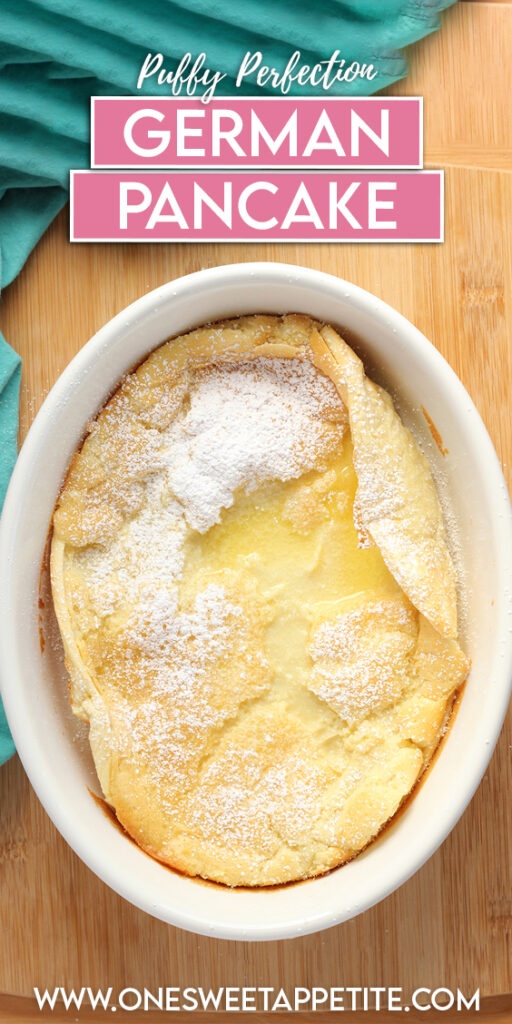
[(264, 681)]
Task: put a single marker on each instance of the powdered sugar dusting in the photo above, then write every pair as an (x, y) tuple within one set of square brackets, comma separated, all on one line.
[(245, 425), (244, 758), (172, 708), (362, 657)]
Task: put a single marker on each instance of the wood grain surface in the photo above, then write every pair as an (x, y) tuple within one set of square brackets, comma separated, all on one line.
[(451, 924)]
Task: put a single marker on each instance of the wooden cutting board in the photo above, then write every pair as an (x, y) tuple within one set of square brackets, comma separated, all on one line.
[(451, 924)]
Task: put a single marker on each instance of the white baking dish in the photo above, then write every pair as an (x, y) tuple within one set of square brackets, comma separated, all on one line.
[(480, 526)]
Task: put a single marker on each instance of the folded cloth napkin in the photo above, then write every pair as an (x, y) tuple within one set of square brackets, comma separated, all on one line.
[(56, 54), (10, 369)]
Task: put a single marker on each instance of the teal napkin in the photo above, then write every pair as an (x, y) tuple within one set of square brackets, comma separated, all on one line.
[(56, 54), (10, 370)]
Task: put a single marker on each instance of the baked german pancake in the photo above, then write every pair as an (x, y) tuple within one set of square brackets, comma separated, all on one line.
[(257, 602)]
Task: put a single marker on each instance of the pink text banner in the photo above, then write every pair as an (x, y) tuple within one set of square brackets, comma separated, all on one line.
[(169, 132), (250, 207)]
